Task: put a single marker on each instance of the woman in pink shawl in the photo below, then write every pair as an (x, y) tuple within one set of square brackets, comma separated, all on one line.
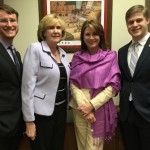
[(94, 80)]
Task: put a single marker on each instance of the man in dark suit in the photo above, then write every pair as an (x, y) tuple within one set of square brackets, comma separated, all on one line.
[(10, 82), (134, 64)]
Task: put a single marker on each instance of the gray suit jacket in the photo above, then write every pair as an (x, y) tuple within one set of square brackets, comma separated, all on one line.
[(40, 80)]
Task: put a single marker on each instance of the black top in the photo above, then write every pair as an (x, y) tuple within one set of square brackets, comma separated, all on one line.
[(61, 92)]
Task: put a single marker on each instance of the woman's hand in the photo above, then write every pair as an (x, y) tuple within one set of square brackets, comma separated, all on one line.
[(85, 108), (31, 130), (90, 117)]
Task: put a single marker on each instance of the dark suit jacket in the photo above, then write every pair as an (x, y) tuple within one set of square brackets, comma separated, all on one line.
[(139, 84), (10, 94)]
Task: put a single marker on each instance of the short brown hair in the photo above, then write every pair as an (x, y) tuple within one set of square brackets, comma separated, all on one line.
[(137, 9), (9, 10)]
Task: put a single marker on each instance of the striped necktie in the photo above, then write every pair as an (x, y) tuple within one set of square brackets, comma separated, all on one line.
[(16, 61), (134, 57)]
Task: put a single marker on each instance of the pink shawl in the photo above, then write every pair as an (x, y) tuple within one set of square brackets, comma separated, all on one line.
[(96, 72)]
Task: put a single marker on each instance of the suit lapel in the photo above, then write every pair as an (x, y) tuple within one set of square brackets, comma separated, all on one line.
[(144, 54), (125, 59), (8, 59)]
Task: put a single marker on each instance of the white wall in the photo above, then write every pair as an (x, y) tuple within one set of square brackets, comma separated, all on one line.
[(120, 35), (28, 22)]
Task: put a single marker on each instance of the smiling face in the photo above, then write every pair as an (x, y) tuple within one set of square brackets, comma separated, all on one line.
[(8, 26), (91, 40), (53, 34), (137, 26)]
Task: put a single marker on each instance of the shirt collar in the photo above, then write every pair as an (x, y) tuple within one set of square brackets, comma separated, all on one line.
[(143, 40), (5, 44)]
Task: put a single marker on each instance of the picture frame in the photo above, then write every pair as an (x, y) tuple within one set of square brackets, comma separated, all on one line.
[(147, 4), (104, 7)]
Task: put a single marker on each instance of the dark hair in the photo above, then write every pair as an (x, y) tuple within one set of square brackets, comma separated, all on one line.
[(9, 10), (97, 28), (137, 9), (46, 22)]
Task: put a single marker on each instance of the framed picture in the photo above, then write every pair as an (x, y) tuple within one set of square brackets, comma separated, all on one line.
[(147, 4), (74, 14)]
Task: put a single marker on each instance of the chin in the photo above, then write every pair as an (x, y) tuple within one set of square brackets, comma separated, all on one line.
[(10, 36)]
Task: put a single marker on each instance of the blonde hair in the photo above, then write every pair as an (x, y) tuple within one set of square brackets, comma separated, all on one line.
[(48, 21)]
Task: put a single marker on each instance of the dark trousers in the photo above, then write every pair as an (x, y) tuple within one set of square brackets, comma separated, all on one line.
[(135, 131), (50, 130), (13, 142)]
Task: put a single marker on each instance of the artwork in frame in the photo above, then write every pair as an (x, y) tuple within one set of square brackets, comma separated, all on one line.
[(74, 14), (147, 4)]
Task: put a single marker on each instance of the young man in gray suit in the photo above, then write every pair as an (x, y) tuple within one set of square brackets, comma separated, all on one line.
[(134, 62), (10, 81)]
